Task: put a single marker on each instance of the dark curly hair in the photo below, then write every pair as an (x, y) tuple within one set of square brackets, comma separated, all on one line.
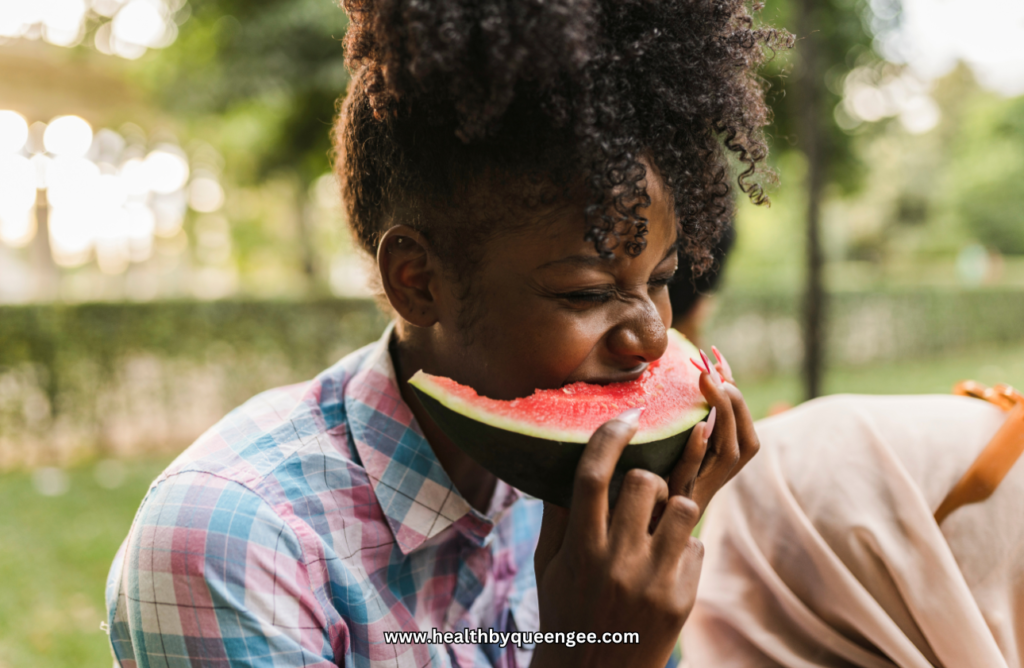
[(462, 115)]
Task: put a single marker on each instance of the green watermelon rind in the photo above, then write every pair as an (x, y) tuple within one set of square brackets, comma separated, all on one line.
[(426, 384)]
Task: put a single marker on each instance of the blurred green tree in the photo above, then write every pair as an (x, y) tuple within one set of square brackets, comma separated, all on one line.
[(271, 71), (832, 37), (986, 170)]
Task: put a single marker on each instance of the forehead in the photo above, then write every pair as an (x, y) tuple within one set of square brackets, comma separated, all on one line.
[(559, 232)]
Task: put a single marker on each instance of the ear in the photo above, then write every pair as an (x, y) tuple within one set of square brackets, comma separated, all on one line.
[(408, 274)]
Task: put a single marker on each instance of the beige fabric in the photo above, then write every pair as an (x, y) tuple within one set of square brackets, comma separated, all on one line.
[(824, 552)]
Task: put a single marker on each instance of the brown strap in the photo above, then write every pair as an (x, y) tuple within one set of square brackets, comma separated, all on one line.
[(998, 457)]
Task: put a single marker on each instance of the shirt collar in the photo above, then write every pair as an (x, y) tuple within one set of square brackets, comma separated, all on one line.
[(418, 498)]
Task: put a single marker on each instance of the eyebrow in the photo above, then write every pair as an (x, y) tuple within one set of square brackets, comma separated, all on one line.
[(593, 260)]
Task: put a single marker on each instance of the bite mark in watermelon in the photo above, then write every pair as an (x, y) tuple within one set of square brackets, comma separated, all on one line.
[(534, 443)]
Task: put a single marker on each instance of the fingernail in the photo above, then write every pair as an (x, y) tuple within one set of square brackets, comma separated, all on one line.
[(707, 362), (699, 367), (716, 377), (723, 362), (709, 424), (632, 416), (704, 356)]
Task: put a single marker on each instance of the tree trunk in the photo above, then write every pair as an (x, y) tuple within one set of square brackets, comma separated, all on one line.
[(811, 140), (46, 273), (307, 252)]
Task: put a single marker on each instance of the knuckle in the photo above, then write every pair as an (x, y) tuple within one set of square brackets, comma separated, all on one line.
[(672, 604), (684, 509), (590, 479), (642, 481), (734, 392), (619, 579), (677, 610), (696, 547)]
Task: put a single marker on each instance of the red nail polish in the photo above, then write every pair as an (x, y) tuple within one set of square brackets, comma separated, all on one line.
[(725, 364), (699, 367), (707, 362)]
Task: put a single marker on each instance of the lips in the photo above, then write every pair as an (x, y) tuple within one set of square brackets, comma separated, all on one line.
[(622, 377)]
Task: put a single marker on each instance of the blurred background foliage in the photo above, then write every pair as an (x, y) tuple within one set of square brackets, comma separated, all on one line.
[(208, 258)]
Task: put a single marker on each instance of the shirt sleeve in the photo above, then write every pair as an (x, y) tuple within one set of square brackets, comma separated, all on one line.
[(212, 576)]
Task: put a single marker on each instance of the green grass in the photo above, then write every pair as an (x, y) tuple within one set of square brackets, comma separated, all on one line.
[(55, 551), (54, 556), (989, 366)]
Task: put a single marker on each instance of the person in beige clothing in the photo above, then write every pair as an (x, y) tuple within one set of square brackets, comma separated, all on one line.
[(825, 550)]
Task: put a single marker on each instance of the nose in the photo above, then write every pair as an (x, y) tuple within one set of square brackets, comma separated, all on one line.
[(641, 339)]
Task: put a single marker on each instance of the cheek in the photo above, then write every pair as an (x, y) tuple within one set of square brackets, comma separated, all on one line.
[(533, 346)]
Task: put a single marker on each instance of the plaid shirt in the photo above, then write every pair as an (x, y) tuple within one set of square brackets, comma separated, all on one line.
[(306, 524)]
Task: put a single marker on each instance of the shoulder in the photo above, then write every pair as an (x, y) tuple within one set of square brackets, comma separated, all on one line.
[(844, 448), (901, 421)]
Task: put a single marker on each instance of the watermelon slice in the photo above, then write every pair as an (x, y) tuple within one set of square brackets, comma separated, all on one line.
[(534, 443)]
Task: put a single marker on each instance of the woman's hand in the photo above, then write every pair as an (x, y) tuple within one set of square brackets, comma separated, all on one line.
[(600, 574), (721, 446), (604, 574)]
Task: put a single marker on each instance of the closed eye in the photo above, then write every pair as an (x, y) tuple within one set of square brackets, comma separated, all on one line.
[(663, 279), (587, 296)]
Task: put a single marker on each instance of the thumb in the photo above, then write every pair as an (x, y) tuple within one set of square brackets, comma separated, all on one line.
[(552, 532)]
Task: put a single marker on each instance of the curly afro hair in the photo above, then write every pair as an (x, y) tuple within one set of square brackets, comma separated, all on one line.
[(464, 115)]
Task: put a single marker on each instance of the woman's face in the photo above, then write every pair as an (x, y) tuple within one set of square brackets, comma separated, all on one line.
[(546, 310)]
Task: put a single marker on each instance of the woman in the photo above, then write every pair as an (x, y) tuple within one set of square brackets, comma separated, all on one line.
[(523, 174), (826, 552)]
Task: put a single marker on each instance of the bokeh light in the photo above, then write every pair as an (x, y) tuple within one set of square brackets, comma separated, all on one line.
[(41, 169), (205, 194), (71, 237), (133, 174), (107, 8), (140, 22), (169, 212), (17, 229), (17, 16), (166, 169), (68, 136), (134, 26), (108, 199), (63, 21), (17, 184), (13, 131), (71, 182), (141, 227)]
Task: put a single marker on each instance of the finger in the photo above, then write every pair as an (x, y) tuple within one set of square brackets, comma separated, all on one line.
[(684, 473), (689, 566), (673, 533), (749, 444), (588, 513), (722, 445), (723, 366), (552, 533), (723, 452), (641, 492)]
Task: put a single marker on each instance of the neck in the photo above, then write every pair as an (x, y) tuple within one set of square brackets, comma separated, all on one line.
[(474, 482)]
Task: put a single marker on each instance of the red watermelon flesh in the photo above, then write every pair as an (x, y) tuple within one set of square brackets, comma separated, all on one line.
[(668, 390)]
